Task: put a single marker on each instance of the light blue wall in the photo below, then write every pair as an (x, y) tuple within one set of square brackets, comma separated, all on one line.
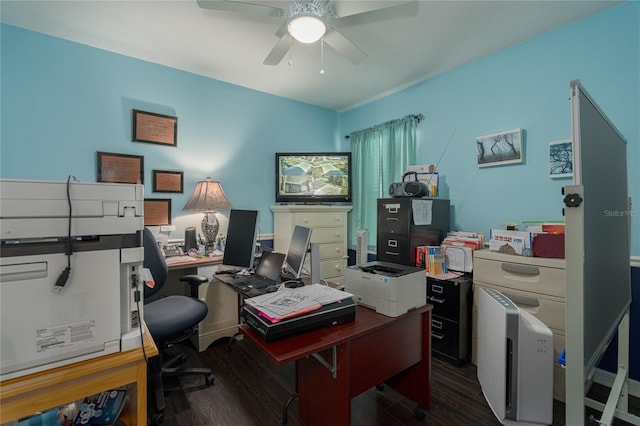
[(526, 87), (62, 102)]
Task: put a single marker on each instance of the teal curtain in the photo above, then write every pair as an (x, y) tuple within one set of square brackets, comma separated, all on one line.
[(380, 156)]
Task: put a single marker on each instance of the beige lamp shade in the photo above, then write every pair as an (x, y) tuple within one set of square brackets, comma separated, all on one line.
[(208, 196)]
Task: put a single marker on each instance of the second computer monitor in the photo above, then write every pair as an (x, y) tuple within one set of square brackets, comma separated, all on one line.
[(242, 234), (297, 250)]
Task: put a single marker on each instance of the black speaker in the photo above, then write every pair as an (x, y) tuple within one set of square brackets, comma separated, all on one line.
[(190, 239)]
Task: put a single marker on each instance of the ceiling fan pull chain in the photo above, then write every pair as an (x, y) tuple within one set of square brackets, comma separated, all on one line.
[(322, 56), (290, 61)]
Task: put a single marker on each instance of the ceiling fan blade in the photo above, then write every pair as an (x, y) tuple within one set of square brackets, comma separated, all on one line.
[(345, 47), (279, 50), (390, 10), (282, 29), (241, 7)]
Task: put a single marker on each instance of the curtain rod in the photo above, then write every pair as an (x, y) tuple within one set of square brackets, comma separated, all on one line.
[(417, 117)]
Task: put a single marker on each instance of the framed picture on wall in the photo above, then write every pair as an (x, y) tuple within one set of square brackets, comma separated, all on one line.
[(497, 149), (561, 158), (154, 128), (120, 168), (157, 211), (167, 181)]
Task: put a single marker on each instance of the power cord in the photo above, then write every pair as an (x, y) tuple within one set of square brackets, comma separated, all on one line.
[(64, 276)]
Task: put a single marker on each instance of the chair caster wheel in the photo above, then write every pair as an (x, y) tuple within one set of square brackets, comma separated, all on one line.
[(157, 418), (380, 387), (420, 413), (210, 379)]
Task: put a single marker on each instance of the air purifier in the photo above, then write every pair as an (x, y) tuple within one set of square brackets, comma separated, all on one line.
[(515, 361)]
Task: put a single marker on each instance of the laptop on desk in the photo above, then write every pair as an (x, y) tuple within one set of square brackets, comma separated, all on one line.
[(267, 273)]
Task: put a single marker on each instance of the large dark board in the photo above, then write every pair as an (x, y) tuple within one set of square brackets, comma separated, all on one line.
[(600, 166)]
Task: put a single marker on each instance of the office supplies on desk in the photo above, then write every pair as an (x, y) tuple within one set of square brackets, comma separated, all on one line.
[(179, 259), (389, 288), (68, 296), (292, 311), (172, 250)]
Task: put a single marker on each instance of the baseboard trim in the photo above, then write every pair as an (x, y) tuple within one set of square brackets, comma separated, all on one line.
[(606, 378)]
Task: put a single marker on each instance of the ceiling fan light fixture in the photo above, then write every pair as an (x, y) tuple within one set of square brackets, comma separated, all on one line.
[(306, 28)]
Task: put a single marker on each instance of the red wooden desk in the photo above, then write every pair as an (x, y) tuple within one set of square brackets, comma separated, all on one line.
[(372, 350)]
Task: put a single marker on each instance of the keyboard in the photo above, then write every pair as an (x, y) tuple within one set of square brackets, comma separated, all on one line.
[(251, 281)]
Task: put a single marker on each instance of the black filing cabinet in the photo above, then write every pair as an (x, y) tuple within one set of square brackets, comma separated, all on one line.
[(401, 228), (451, 318)]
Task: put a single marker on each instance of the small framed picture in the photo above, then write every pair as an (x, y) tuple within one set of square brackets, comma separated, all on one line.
[(561, 158), (157, 211), (154, 128), (497, 149), (120, 168), (167, 181)]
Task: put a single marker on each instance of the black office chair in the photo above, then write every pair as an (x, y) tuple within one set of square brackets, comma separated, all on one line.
[(170, 320)]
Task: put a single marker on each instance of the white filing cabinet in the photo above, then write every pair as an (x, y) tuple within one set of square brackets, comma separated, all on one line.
[(329, 229), (537, 285)]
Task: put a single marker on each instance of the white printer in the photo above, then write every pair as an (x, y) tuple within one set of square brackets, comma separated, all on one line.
[(51, 315), (389, 288)]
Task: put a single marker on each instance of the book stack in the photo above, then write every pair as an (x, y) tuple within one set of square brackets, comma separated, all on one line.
[(437, 264)]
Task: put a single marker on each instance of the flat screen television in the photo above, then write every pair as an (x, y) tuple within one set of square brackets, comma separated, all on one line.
[(313, 177)]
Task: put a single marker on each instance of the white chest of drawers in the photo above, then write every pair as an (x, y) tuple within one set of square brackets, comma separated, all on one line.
[(329, 229), (537, 285)]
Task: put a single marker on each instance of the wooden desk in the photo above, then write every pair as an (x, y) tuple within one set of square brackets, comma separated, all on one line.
[(23, 396), (374, 349)]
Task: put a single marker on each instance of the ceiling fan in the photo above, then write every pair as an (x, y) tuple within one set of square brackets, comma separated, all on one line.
[(308, 21)]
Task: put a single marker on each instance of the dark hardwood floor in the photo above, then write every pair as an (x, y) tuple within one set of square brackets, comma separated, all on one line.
[(251, 390)]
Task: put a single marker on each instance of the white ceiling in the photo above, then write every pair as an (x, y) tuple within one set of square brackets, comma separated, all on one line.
[(230, 47)]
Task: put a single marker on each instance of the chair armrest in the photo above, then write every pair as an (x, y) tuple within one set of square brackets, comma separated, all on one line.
[(194, 281)]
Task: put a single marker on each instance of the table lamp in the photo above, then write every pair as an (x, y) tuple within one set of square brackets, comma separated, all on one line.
[(208, 196)]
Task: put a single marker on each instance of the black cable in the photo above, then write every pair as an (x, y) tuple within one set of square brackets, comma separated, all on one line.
[(144, 352), (64, 275)]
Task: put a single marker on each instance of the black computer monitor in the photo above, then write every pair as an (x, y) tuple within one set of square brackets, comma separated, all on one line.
[(297, 250), (242, 234)]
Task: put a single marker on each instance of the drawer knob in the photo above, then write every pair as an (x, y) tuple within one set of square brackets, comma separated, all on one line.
[(437, 335), (436, 299), (522, 300)]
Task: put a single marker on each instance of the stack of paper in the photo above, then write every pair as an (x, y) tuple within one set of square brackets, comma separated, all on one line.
[(291, 302), (459, 247), (519, 241)]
